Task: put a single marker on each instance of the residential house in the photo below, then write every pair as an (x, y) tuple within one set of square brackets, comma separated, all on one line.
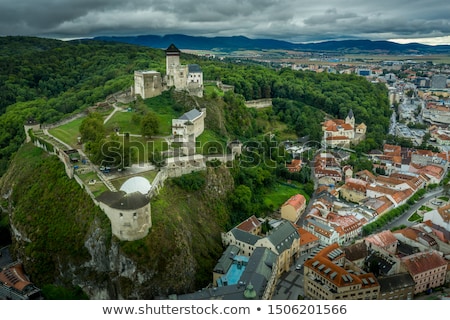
[(428, 269), (440, 217), (251, 225), (294, 166), (325, 165), (396, 287), (384, 242), (326, 233), (308, 241), (354, 190), (356, 253), (379, 205), (293, 208)]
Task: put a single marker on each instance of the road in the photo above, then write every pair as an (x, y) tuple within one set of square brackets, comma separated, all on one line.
[(403, 219)]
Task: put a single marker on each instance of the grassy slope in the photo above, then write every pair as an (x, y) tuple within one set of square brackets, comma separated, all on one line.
[(56, 215), (46, 213)]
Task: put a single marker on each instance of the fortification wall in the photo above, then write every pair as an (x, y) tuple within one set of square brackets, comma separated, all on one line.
[(260, 103)]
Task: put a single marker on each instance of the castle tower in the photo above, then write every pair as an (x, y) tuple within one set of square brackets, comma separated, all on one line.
[(172, 64)]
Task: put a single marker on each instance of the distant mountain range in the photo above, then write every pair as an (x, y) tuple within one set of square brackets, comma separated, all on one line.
[(243, 43)]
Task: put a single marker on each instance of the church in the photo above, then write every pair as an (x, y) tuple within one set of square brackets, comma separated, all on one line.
[(343, 133), (149, 83)]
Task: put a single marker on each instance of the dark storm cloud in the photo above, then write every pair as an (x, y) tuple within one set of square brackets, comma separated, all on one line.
[(291, 20)]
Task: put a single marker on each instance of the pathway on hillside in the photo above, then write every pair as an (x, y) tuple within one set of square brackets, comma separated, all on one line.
[(45, 131), (116, 108)]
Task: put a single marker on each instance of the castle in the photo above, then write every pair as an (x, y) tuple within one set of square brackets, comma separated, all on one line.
[(150, 83)]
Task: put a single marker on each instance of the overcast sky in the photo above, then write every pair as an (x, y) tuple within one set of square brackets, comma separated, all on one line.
[(291, 20)]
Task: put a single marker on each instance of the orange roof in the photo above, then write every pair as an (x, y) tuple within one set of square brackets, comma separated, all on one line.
[(423, 262), (355, 184), (306, 236), (445, 212), (297, 201), (15, 277), (295, 165), (382, 239), (390, 149), (409, 233), (323, 265), (365, 175)]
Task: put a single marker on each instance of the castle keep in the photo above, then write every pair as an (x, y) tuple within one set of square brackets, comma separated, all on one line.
[(150, 83)]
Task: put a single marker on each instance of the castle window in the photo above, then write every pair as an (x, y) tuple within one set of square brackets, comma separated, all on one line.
[(135, 215), (121, 215)]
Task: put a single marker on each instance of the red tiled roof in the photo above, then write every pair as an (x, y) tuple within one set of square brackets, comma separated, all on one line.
[(423, 261), (297, 201), (306, 236), (382, 239), (15, 277), (295, 165), (445, 213), (249, 224), (355, 184), (322, 258)]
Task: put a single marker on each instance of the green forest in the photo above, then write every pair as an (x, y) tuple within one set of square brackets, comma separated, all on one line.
[(47, 80)]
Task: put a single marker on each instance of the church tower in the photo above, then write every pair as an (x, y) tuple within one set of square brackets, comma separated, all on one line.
[(350, 119)]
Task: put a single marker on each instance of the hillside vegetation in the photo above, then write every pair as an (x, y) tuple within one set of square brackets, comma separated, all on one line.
[(53, 219)]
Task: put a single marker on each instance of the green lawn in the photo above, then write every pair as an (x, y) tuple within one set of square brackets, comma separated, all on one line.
[(415, 217), (206, 139), (210, 88), (68, 132), (278, 195), (123, 121), (142, 146), (163, 107), (98, 188)]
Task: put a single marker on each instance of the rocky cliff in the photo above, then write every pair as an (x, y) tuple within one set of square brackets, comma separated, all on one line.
[(64, 239)]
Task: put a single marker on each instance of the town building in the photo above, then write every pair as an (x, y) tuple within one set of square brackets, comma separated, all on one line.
[(293, 208), (14, 282), (327, 276), (239, 277), (439, 216), (428, 269), (283, 240), (396, 287)]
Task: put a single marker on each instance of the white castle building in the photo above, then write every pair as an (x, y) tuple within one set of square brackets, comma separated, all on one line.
[(128, 209)]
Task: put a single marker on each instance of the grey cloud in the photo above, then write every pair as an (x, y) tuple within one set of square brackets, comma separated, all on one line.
[(293, 20)]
